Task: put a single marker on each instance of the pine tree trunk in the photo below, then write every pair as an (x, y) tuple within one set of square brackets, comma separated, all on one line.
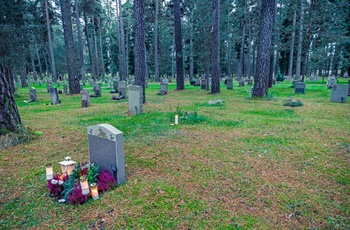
[(308, 42), (24, 77), (97, 66), (249, 48), (264, 48), (191, 47), (80, 44), (300, 42), (291, 50), (122, 56), (74, 87), (140, 45), (39, 62), (272, 52), (215, 70), (89, 47), (156, 62), (241, 56), (52, 57), (10, 119), (178, 46), (32, 61)]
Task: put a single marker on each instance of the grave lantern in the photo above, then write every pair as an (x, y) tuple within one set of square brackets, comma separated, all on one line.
[(49, 172), (84, 185), (67, 166), (94, 191)]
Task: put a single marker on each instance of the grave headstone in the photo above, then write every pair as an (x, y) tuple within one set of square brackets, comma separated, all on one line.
[(122, 88), (229, 83), (85, 98), (241, 83), (106, 149), (65, 89), (331, 81), (54, 96), (197, 83), (203, 83), (209, 81), (288, 78), (250, 81), (32, 92), (135, 99), (115, 85), (165, 80), (163, 87), (346, 75), (97, 90), (108, 84), (313, 77), (299, 87), (339, 93), (49, 86)]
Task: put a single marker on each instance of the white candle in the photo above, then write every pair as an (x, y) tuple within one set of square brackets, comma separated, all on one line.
[(49, 172), (176, 119), (84, 185), (94, 191)]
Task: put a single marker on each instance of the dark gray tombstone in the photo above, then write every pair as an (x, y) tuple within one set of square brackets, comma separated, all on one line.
[(339, 93), (299, 87), (241, 83), (106, 149), (203, 83), (122, 88), (85, 98), (293, 83), (97, 90), (135, 99), (54, 96), (65, 89), (229, 83), (115, 85), (164, 87), (32, 92)]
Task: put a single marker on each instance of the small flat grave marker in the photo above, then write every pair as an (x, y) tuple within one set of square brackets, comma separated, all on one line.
[(106, 149)]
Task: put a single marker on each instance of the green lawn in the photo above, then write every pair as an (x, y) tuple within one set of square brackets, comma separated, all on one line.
[(248, 164)]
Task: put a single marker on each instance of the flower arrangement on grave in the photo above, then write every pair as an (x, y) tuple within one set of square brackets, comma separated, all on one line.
[(76, 180)]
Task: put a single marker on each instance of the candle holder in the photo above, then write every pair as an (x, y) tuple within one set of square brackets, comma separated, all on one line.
[(67, 166), (84, 185), (94, 191), (49, 172), (176, 119)]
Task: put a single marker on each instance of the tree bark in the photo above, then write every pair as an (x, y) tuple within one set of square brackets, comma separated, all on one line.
[(80, 43), (89, 46), (308, 42), (272, 52), (10, 119), (291, 50), (178, 46), (241, 56), (122, 56), (101, 47), (39, 62), (156, 61), (140, 45), (97, 66), (264, 48), (74, 87), (52, 57), (300, 41), (191, 47), (215, 69)]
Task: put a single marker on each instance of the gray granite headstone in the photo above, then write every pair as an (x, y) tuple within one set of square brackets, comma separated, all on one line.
[(339, 93), (108, 84), (106, 149), (32, 92), (203, 83), (65, 89), (299, 87), (331, 81), (85, 98), (122, 88), (241, 83), (115, 85), (288, 78), (165, 80), (229, 83), (54, 96), (163, 87), (97, 90), (135, 99)]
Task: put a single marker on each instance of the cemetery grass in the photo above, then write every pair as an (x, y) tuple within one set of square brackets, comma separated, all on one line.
[(246, 164)]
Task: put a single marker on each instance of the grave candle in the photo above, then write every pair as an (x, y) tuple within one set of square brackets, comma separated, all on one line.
[(84, 185), (176, 119), (94, 191), (49, 172)]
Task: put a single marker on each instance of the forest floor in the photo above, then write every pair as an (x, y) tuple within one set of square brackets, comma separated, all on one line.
[(247, 164)]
